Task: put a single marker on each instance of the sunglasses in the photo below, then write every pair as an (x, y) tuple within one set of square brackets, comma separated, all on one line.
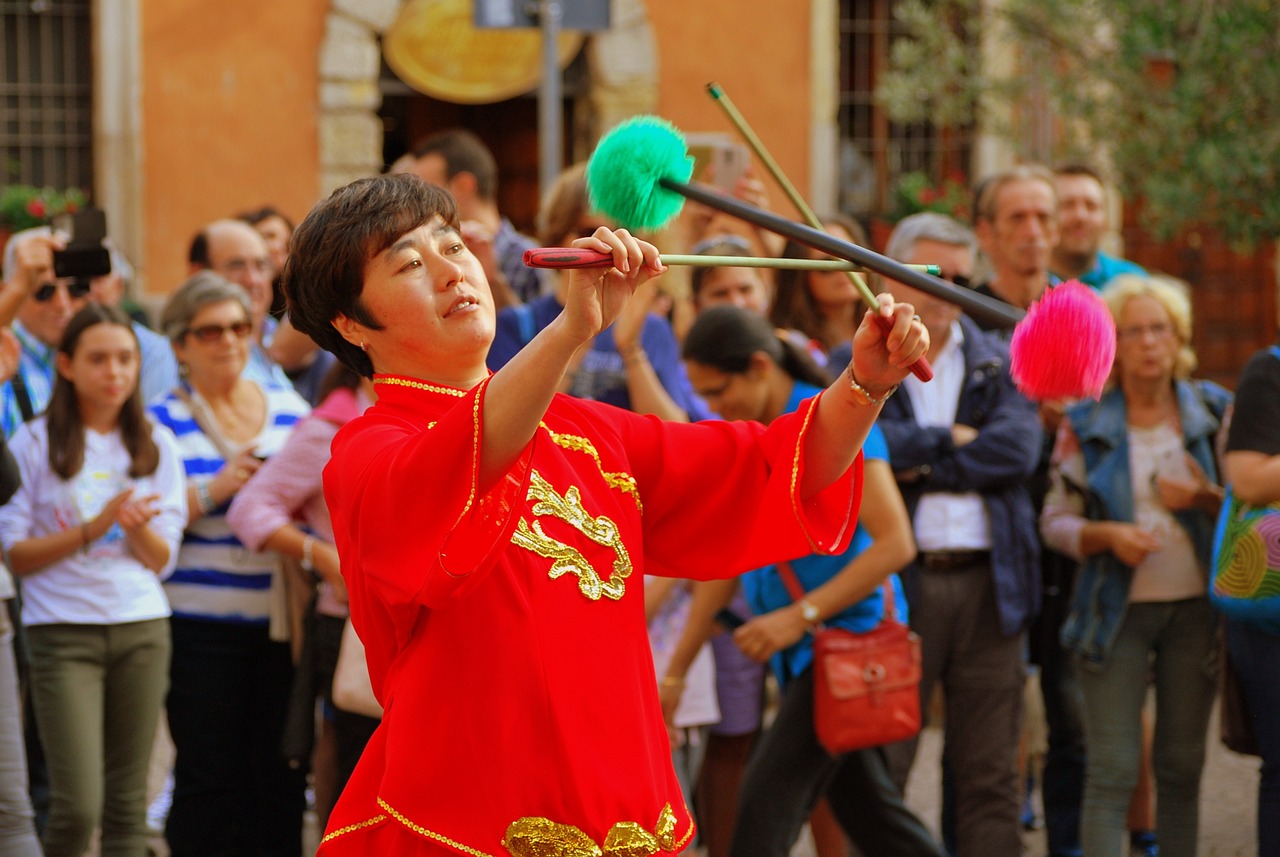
[(215, 332), (76, 289)]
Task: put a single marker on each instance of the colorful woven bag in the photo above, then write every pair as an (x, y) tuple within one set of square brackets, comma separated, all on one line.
[(1245, 581)]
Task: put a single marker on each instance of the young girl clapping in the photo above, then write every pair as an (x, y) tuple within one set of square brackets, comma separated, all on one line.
[(91, 532)]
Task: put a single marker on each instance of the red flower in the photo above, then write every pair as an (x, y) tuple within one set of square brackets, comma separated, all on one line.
[(930, 195), (71, 207), (36, 208)]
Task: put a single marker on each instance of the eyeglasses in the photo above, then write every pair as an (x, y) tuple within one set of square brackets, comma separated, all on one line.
[(215, 332), (76, 289), (1158, 330)]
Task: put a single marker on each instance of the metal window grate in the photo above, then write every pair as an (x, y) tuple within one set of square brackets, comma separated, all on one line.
[(875, 152), (46, 93)]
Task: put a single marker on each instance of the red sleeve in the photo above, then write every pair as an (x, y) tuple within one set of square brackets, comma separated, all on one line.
[(721, 498), (405, 501)]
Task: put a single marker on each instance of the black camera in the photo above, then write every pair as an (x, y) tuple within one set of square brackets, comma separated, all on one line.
[(85, 255)]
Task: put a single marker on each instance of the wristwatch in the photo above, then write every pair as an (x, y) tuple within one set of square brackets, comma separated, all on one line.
[(860, 394), (812, 615), (307, 564)]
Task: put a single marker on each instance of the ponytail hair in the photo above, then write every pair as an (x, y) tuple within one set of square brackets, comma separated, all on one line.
[(65, 425), (727, 337)]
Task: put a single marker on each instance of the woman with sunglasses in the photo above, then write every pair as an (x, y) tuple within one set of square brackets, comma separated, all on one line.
[(91, 531), (233, 791), (747, 371)]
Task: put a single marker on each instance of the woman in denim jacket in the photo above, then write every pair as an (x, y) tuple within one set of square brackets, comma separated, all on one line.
[(1134, 496)]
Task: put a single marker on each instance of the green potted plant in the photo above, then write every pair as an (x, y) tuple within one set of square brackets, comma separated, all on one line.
[(917, 192), (26, 206)]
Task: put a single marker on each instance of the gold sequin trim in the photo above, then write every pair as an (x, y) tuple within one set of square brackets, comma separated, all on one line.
[(420, 385), (542, 837), (431, 834), (624, 482), (566, 559), (795, 476), (352, 828)]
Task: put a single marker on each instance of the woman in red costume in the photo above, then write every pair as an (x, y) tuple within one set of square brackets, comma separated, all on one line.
[(494, 536)]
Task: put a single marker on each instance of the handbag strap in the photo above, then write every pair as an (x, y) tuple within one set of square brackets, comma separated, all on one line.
[(797, 591)]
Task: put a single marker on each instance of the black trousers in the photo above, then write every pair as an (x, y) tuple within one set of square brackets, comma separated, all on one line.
[(234, 793), (789, 771)]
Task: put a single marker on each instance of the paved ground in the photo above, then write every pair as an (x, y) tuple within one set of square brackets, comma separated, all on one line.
[(1228, 803), (1228, 798)]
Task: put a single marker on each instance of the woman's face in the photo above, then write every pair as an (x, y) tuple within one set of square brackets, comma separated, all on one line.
[(740, 287), (430, 294), (1147, 341), (275, 232), (732, 395), (215, 347), (103, 368), (832, 291)]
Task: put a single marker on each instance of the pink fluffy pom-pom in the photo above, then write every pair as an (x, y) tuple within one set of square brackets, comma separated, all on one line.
[(1064, 348)]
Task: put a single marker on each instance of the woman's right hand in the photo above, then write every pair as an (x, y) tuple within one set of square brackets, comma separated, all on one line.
[(1130, 543), (233, 475), (103, 521), (325, 557), (597, 295)]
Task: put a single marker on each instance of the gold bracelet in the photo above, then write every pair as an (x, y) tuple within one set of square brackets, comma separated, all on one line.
[(862, 395), (633, 355), (671, 681)]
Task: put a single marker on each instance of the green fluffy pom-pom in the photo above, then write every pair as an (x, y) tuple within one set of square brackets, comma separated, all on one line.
[(623, 174)]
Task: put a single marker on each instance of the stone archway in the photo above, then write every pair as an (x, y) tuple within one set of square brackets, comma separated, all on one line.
[(350, 134)]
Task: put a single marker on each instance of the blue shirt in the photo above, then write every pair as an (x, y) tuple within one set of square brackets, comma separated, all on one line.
[(1104, 268), (766, 592), (35, 368), (159, 371)]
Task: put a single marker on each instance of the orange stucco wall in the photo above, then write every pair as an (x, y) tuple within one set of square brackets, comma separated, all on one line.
[(229, 93), (759, 54)]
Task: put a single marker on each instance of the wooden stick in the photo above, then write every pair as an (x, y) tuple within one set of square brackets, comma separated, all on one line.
[(576, 257), (921, 368)]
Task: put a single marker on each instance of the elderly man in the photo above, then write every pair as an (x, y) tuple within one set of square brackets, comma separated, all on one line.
[(963, 447), (1016, 218), (235, 250)]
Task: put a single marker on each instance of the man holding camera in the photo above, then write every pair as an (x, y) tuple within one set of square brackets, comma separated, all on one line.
[(39, 306)]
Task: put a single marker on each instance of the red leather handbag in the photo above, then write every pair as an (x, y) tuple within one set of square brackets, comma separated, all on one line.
[(866, 687)]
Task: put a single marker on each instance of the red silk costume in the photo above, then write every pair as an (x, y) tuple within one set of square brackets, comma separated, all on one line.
[(504, 625)]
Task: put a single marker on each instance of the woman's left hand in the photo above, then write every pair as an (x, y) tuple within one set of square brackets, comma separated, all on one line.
[(880, 360), (597, 295), (761, 637)]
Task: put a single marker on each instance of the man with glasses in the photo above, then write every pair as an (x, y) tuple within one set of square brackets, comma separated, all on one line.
[(39, 306), (235, 250), (963, 447)]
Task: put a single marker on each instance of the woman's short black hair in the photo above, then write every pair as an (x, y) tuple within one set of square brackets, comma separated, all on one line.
[(324, 276)]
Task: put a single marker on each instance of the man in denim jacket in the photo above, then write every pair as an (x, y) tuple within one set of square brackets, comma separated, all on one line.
[(964, 446)]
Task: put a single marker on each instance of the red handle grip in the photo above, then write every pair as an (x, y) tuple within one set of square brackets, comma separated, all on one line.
[(921, 368), (566, 257)]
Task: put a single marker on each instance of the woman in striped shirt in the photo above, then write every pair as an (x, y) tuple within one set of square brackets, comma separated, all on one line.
[(233, 791)]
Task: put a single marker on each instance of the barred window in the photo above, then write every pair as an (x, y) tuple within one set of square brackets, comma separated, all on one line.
[(46, 93), (875, 152)]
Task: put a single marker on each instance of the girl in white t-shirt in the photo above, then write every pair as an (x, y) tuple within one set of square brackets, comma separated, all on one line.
[(91, 532)]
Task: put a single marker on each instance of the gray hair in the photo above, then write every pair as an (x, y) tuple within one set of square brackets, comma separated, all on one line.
[(197, 292), (927, 226)]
